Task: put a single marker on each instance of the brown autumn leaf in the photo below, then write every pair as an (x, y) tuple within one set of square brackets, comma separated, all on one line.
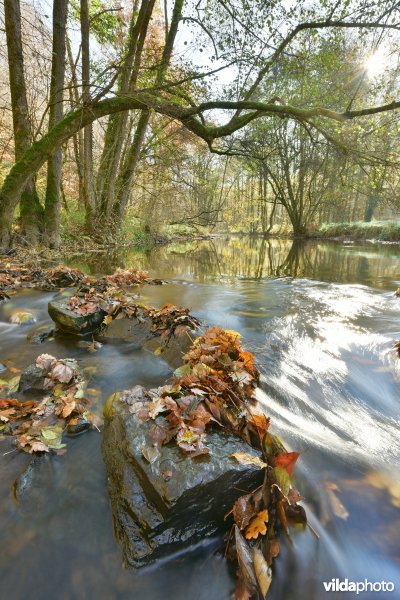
[(257, 525), (287, 461), (36, 446), (272, 549), (280, 507), (6, 414), (295, 514), (294, 496), (62, 373), (46, 362), (156, 407), (69, 407), (245, 561), (262, 571), (260, 422), (246, 507), (248, 459)]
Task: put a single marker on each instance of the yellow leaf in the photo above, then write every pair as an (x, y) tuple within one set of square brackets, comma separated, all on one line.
[(248, 459), (107, 319), (257, 525)]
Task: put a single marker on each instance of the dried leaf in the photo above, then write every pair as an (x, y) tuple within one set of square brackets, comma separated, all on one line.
[(46, 362), (248, 459), (262, 571), (257, 525), (150, 453), (245, 561), (36, 446), (62, 372), (107, 319), (156, 407), (246, 507)]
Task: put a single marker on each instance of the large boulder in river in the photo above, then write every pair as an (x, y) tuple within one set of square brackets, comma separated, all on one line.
[(71, 322), (161, 507)]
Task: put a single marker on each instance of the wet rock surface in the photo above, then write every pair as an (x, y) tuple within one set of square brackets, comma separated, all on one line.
[(127, 330), (68, 321), (32, 380), (162, 507)]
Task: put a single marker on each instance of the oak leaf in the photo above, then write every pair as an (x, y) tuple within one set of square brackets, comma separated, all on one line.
[(257, 525)]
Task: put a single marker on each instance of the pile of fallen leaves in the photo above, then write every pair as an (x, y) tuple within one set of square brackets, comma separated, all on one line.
[(107, 294), (39, 425), (15, 275), (116, 304), (215, 388)]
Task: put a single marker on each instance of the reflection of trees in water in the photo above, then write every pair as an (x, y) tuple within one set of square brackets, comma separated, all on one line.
[(253, 258)]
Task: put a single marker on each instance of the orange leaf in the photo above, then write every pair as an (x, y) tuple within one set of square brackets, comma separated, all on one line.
[(286, 461), (257, 525), (107, 319)]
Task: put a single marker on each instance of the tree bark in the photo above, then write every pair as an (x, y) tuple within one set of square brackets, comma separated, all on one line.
[(116, 131), (87, 159), (31, 209), (127, 170), (54, 164)]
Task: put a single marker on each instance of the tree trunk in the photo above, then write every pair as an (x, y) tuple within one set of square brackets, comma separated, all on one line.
[(370, 206), (54, 165), (117, 125), (127, 170), (31, 209), (87, 159)]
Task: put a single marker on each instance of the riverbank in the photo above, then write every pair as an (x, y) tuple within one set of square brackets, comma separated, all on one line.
[(377, 231), (75, 245)]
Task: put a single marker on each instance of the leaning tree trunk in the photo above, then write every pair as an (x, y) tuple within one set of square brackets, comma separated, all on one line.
[(117, 131), (128, 168), (31, 209), (54, 165)]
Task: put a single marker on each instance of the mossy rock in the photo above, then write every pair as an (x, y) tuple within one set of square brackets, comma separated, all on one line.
[(70, 322)]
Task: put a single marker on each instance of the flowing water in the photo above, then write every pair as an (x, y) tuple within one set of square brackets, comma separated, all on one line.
[(322, 319)]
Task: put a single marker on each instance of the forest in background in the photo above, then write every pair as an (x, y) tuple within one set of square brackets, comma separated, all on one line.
[(125, 119)]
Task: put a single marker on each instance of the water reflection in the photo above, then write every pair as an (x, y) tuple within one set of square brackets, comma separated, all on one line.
[(231, 257)]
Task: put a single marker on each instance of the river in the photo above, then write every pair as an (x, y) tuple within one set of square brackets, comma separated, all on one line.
[(322, 319)]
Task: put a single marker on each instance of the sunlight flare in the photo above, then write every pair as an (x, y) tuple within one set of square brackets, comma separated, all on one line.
[(375, 63)]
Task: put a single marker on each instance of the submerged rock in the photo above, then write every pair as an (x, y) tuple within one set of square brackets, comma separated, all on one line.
[(41, 334), (22, 318), (68, 321), (128, 330), (78, 426), (36, 378), (174, 501)]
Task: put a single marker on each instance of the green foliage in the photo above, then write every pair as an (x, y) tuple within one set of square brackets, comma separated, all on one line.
[(375, 230), (106, 22)]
